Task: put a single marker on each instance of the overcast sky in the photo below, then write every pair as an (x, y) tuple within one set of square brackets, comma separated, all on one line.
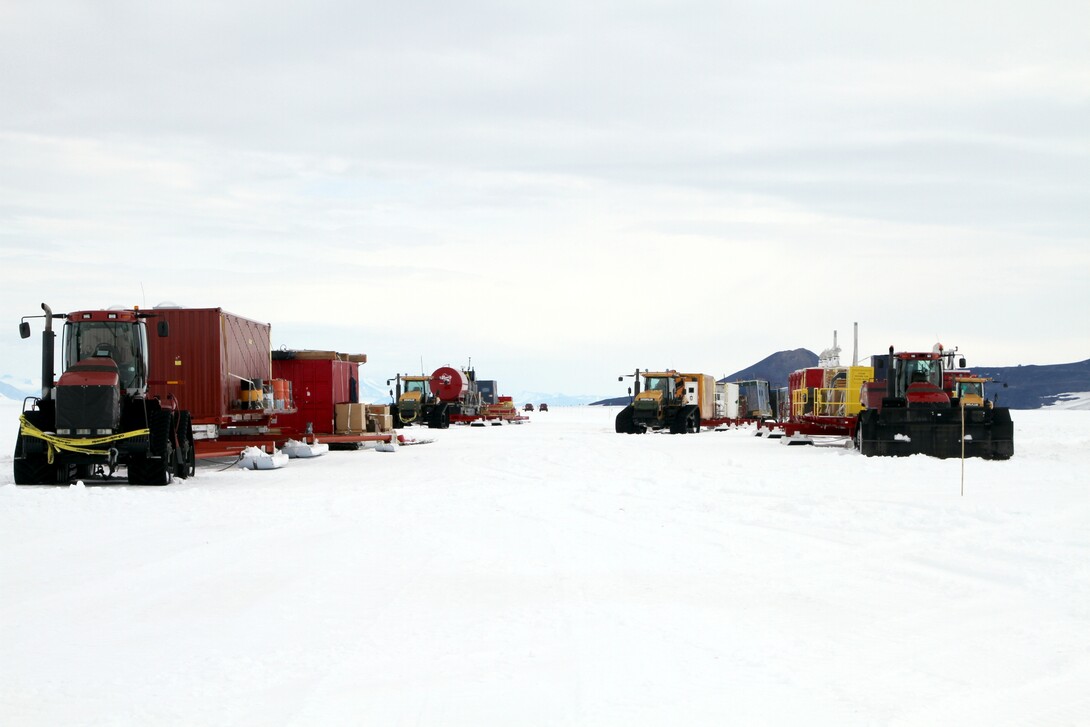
[(563, 191)]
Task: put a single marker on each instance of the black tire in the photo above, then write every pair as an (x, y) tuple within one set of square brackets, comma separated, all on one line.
[(624, 423), (686, 421), (866, 425), (680, 422), (440, 417), (185, 456), (65, 473), (396, 417), (156, 468), (694, 420), (31, 469)]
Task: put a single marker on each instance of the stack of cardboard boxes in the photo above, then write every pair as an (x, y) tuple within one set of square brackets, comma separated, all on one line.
[(360, 418), (379, 418)]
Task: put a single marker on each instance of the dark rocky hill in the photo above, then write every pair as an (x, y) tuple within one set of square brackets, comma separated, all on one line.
[(775, 368), (1031, 387)]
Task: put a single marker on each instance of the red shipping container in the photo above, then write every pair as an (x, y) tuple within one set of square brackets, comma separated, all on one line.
[(206, 358), (317, 385)]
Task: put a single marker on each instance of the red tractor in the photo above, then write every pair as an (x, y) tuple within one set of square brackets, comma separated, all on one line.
[(98, 415), (907, 411)]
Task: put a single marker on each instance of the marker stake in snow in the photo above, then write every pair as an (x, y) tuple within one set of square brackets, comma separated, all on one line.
[(963, 447)]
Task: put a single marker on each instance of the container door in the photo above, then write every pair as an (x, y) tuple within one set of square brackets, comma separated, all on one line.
[(691, 395), (732, 400)]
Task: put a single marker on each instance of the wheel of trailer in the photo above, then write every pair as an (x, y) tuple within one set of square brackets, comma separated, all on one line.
[(624, 423), (185, 455), (440, 417), (861, 428), (30, 469), (694, 420), (156, 468)]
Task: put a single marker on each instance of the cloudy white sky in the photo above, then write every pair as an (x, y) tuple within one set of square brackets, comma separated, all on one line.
[(562, 191)]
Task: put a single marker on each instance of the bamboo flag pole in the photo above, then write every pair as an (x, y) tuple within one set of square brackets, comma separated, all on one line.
[(963, 446)]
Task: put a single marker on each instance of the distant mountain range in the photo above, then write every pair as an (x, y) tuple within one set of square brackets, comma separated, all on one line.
[(1031, 387), (18, 389), (1018, 387)]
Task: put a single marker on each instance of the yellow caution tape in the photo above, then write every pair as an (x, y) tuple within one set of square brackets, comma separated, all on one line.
[(81, 446)]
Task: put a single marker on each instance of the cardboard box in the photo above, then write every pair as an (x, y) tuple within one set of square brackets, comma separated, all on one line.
[(378, 409), (350, 418), (380, 423)]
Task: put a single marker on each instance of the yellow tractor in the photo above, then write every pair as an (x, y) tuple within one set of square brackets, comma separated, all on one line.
[(969, 390), (414, 402), (667, 400)]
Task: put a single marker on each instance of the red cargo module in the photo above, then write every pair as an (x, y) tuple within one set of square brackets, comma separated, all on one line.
[(318, 385), (214, 363)]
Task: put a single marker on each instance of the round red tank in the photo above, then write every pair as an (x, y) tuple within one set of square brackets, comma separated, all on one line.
[(449, 384)]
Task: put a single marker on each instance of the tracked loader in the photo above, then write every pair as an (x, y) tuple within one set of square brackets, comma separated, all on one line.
[(667, 400)]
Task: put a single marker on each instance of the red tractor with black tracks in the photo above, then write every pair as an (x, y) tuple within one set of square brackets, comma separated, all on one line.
[(907, 410), (98, 416)]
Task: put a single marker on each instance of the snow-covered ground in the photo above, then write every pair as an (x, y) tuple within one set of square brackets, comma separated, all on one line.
[(558, 573), (1072, 401)]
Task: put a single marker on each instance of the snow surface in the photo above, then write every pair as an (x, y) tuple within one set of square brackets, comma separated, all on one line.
[(557, 573), (1079, 400)]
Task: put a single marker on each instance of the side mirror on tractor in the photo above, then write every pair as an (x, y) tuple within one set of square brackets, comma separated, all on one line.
[(163, 329), (24, 330)]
